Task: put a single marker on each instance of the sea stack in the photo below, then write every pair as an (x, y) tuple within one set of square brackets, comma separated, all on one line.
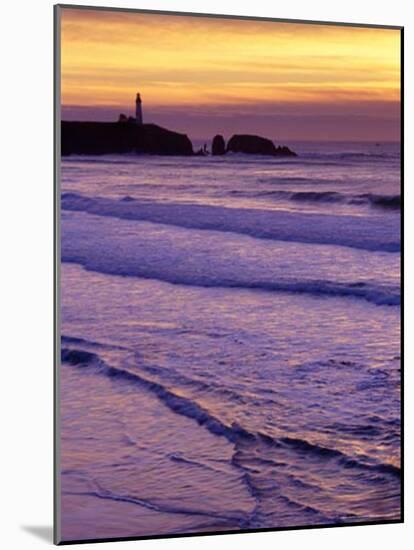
[(218, 146), (257, 145)]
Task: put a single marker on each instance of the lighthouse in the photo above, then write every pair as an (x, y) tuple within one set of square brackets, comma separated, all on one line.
[(138, 109)]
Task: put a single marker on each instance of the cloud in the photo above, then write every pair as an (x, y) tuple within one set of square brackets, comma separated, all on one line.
[(230, 69)]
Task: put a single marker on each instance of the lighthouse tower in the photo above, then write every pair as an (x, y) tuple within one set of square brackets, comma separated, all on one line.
[(138, 110)]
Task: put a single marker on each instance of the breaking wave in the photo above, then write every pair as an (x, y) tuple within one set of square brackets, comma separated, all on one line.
[(351, 231), (233, 433)]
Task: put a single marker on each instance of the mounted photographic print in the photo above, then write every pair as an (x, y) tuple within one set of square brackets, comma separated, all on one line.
[(228, 254)]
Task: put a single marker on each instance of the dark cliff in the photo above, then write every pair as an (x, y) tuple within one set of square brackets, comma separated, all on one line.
[(99, 138)]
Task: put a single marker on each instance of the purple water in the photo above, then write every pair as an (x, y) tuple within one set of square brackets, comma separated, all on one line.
[(230, 341)]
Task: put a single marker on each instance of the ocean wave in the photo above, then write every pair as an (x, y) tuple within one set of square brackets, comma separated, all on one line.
[(317, 196), (70, 340), (302, 445), (217, 275), (286, 180), (368, 156), (208, 259), (234, 433), (352, 231), (311, 196), (382, 201), (97, 490), (177, 403), (387, 295), (78, 357), (353, 156), (392, 202)]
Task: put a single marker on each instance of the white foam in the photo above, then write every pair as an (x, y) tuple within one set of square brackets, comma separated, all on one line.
[(214, 259)]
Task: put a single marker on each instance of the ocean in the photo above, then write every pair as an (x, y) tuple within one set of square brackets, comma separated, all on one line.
[(230, 332)]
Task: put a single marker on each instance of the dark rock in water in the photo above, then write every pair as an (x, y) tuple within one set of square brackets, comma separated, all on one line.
[(253, 145), (256, 145), (283, 151), (218, 146), (100, 138)]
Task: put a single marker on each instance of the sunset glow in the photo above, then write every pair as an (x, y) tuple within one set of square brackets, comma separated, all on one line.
[(204, 71)]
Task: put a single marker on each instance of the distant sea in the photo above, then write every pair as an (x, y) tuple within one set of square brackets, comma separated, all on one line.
[(230, 341)]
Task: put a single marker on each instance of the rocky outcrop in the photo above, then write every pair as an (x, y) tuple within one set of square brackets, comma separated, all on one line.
[(256, 145), (218, 147), (125, 136), (283, 151), (99, 138)]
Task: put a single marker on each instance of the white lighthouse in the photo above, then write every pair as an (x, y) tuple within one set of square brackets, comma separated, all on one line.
[(138, 109)]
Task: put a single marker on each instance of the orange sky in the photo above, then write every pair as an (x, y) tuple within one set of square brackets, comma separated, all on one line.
[(201, 73)]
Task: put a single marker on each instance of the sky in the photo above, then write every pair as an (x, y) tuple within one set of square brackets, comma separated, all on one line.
[(203, 76)]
